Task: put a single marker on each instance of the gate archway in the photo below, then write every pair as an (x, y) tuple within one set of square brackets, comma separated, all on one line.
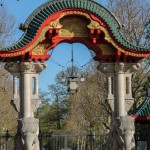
[(86, 22)]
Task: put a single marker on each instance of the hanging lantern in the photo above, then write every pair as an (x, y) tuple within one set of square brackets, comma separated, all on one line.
[(72, 84), (72, 81)]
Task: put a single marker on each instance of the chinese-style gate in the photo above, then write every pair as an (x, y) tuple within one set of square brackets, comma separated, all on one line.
[(83, 21)]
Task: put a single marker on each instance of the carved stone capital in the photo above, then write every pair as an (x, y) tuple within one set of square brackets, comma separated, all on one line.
[(12, 67), (127, 67), (112, 67), (119, 67), (133, 67), (106, 67), (25, 67)]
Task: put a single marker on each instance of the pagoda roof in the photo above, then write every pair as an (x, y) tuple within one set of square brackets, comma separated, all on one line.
[(142, 113), (38, 16)]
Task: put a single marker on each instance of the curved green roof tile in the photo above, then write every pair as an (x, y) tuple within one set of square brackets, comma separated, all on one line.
[(144, 109), (39, 15)]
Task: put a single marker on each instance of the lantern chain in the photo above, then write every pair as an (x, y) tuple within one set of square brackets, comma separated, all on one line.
[(72, 60)]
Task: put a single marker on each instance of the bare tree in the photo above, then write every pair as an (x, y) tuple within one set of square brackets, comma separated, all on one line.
[(7, 27), (134, 16), (7, 113), (88, 111)]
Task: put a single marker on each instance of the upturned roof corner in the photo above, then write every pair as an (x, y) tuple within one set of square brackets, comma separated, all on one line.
[(37, 17)]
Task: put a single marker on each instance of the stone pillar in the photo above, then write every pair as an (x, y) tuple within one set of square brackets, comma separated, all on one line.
[(119, 74), (120, 89), (36, 85), (26, 102), (122, 134), (26, 95)]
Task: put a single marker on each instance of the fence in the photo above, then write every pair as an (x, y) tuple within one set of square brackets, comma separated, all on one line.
[(60, 142), (72, 142), (7, 141), (67, 142)]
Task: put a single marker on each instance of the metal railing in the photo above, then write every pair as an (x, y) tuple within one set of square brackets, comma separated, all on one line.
[(60, 142), (6, 141), (67, 142)]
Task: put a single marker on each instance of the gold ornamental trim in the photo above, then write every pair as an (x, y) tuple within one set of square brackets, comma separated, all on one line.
[(40, 39), (109, 39), (57, 25), (40, 49)]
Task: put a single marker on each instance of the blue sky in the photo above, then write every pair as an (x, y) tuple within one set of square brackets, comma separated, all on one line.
[(62, 53)]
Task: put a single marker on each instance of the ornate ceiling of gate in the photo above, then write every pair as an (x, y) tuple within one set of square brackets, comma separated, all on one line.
[(83, 21)]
